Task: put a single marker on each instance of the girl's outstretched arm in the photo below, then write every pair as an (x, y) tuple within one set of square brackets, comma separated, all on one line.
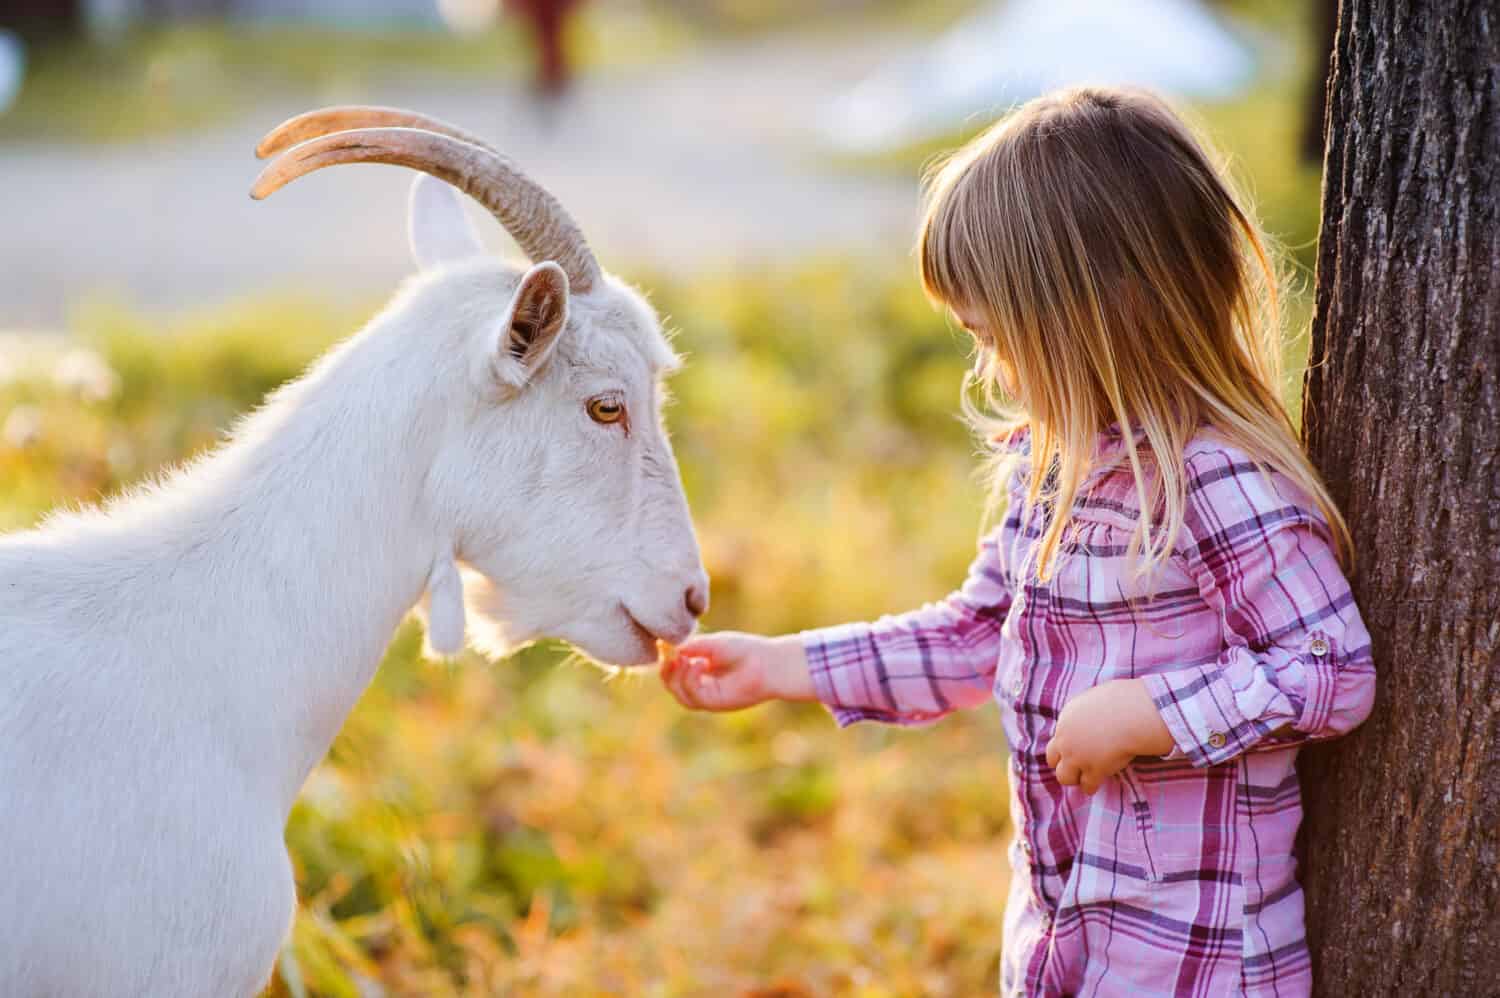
[(916, 667), (905, 669)]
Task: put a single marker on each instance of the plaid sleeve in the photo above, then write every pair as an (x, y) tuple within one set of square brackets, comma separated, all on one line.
[(1296, 663), (916, 667)]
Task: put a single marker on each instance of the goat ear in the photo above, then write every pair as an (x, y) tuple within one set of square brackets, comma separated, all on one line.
[(537, 314), (437, 226)]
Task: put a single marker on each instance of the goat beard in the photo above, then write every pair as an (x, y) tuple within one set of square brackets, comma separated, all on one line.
[(444, 609)]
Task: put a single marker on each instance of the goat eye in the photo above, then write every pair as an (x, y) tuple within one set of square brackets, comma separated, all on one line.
[(606, 410)]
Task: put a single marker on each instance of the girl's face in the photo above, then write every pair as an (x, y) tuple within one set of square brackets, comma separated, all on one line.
[(978, 328)]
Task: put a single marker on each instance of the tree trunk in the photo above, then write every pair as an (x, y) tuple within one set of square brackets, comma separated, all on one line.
[(1402, 414)]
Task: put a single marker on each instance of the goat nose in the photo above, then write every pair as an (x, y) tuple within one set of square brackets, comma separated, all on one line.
[(696, 599)]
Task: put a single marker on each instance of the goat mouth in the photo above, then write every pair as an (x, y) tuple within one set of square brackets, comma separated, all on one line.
[(648, 637)]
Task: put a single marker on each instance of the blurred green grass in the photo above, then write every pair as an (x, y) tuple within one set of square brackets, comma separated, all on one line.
[(163, 78), (155, 80), (160, 79)]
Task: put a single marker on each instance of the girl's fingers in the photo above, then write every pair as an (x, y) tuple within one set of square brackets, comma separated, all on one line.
[(1054, 753), (683, 686), (705, 690), (700, 689), (672, 677), (701, 673), (669, 681), (716, 651), (699, 647), (710, 692), (1068, 774), (714, 691)]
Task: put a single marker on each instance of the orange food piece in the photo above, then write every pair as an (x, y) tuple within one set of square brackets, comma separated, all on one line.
[(665, 651)]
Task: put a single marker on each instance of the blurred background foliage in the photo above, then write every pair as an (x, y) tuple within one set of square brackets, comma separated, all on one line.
[(160, 78), (150, 78), (538, 827)]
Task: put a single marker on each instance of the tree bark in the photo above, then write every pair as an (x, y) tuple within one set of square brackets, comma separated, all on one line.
[(1402, 414)]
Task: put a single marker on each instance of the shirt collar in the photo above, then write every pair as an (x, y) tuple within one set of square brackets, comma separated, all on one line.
[(1109, 446)]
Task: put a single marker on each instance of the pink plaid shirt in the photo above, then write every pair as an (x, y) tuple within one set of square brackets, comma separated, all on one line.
[(1177, 877)]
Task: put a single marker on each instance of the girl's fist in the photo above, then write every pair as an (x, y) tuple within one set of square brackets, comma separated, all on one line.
[(730, 671), (1101, 730)]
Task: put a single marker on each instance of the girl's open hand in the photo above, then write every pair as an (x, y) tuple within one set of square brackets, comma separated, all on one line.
[(1101, 730), (730, 671)]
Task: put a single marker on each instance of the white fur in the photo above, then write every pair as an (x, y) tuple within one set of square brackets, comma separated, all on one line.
[(445, 602), (174, 664)]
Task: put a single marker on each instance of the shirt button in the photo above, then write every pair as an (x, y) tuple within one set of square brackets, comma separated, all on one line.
[(1319, 647), (1016, 687), (1216, 740)]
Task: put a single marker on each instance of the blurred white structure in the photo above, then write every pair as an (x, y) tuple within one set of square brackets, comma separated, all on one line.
[(1017, 49), (12, 68), (109, 15)]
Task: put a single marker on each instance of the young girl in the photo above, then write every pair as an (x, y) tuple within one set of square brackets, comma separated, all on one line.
[(1162, 616)]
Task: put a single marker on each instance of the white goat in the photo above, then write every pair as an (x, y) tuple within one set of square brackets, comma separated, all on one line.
[(173, 665)]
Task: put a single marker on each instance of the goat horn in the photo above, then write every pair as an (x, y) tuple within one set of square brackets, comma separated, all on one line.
[(342, 118), (539, 224)]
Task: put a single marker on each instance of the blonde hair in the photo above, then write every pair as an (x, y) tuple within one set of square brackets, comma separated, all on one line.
[(1120, 282)]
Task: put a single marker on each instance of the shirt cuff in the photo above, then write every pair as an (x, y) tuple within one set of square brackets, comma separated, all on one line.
[(1321, 659), (1199, 708)]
